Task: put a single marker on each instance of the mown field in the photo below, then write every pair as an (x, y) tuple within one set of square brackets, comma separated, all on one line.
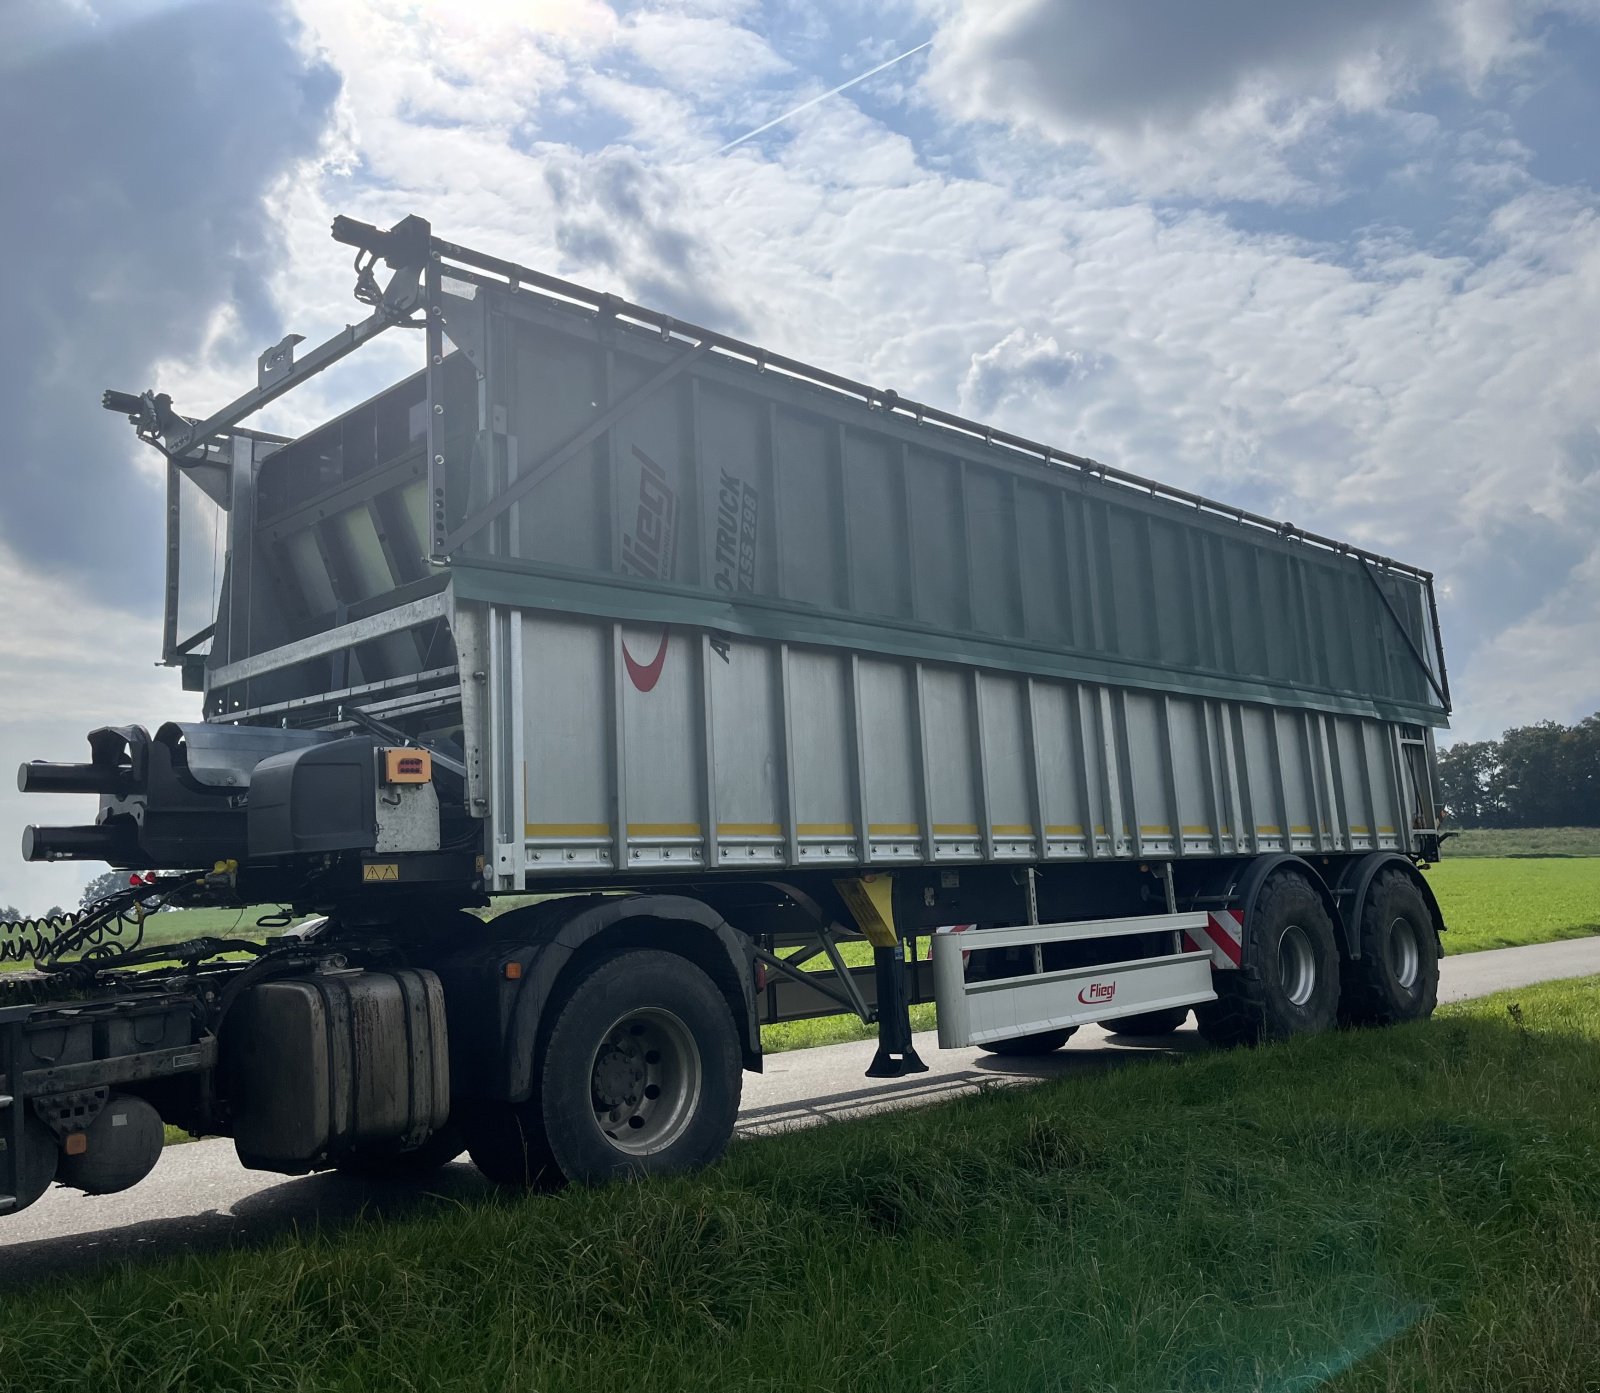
[(1492, 902), (1525, 841), (1416, 1208)]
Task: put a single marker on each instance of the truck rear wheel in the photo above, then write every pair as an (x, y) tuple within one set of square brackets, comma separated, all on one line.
[(642, 1071), (1289, 981), (1395, 977), (1041, 1042)]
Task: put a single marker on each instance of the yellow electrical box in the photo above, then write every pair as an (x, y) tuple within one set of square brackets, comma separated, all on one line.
[(407, 766)]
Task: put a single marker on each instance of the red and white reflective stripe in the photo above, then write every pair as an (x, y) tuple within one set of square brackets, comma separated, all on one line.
[(966, 953), (1223, 937)]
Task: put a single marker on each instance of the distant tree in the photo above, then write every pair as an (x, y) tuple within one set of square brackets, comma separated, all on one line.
[(107, 883), (11, 913), (1466, 773), (1534, 781), (1584, 766), (55, 912), (1541, 775)]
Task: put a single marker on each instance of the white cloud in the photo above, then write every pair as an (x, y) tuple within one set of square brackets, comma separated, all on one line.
[(1236, 99), (699, 54)]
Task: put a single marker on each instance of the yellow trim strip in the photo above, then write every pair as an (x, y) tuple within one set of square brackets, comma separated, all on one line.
[(1360, 829), (663, 829), (1011, 829), (1268, 829), (1387, 831), (825, 829), (1197, 831), (1065, 829), (749, 829), (955, 829), (1154, 829), (894, 829), (567, 829), (1301, 831)]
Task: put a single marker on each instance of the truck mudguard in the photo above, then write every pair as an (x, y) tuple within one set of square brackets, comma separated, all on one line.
[(498, 991)]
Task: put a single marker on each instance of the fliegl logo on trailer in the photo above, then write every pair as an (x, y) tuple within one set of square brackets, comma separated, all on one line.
[(651, 551), (1098, 993)]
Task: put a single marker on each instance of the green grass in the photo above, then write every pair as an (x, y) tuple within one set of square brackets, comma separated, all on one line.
[(1525, 841), (1416, 1208), (1502, 903)]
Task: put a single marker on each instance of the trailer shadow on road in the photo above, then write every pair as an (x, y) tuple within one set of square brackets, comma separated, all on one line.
[(327, 1200), (977, 1072)]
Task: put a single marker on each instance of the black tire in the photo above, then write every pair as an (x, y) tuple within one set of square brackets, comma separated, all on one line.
[(641, 1071), (1150, 1022), (1395, 977), (434, 1154), (1288, 983), (506, 1142), (1041, 1042)]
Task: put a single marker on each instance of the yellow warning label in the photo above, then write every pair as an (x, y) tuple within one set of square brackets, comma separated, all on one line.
[(381, 870)]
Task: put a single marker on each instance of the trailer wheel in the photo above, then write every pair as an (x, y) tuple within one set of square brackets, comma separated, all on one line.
[(1289, 981), (1150, 1022), (1395, 977), (642, 1070), (1041, 1042)]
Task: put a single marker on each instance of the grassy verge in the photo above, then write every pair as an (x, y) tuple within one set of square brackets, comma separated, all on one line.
[(1525, 841), (1415, 1208)]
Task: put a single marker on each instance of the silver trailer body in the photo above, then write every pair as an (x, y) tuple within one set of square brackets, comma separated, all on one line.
[(687, 605), (649, 748)]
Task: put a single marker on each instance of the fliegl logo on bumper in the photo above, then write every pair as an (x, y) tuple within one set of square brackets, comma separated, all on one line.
[(1097, 993)]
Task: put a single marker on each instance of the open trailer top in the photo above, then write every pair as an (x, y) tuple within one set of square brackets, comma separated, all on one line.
[(731, 660)]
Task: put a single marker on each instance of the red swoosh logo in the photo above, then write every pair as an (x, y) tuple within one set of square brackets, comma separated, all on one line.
[(644, 676)]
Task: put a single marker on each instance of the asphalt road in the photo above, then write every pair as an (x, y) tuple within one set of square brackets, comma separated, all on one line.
[(200, 1197)]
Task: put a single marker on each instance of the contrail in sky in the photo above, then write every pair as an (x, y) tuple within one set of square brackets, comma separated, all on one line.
[(843, 86)]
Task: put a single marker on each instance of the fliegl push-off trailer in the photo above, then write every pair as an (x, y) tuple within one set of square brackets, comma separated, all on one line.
[(727, 660)]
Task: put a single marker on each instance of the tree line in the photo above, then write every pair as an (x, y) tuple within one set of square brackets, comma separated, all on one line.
[(1544, 775)]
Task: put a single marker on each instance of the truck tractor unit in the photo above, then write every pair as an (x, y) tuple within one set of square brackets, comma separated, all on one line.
[(608, 688)]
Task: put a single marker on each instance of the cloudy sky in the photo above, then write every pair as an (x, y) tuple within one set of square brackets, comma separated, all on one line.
[(1337, 262)]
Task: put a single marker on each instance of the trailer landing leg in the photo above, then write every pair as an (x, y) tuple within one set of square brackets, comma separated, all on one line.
[(896, 1055)]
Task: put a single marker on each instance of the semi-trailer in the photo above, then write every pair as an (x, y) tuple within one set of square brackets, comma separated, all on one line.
[(692, 664)]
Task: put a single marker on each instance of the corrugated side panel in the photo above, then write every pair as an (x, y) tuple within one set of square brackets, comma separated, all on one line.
[(649, 746), (699, 490)]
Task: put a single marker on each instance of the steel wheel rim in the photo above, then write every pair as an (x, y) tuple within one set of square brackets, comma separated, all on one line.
[(1297, 965), (1405, 954), (644, 1081)]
